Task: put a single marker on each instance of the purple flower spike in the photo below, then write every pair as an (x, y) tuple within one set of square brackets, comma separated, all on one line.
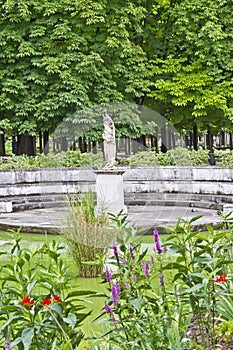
[(108, 275), (131, 252), (157, 242), (156, 236), (127, 286), (158, 247), (146, 268), (124, 260), (116, 292), (134, 278), (152, 260), (108, 309), (114, 247), (7, 345), (161, 280), (115, 252)]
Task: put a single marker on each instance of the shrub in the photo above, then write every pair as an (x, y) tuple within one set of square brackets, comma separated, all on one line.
[(63, 159), (175, 157), (38, 308), (143, 158)]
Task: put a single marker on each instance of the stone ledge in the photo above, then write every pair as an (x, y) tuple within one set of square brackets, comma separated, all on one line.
[(6, 207)]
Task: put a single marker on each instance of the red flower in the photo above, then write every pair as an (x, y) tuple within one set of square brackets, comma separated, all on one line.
[(46, 302), (221, 278), (56, 299), (27, 301)]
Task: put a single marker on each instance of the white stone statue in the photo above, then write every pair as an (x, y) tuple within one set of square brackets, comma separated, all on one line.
[(109, 140)]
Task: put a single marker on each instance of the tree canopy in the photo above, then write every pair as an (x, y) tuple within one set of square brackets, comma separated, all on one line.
[(60, 57), (194, 76)]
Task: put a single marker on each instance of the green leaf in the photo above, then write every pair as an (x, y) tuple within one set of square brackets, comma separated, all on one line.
[(198, 286), (31, 286), (204, 260), (71, 320), (27, 336), (136, 302)]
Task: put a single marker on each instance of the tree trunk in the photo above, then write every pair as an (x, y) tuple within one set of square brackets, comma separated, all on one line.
[(209, 140), (143, 140), (94, 147), (163, 140), (2, 145), (173, 140), (14, 143), (46, 142), (81, 144), (26, 145), (223, 139), (73, 145), (156, 144), (169, 138), (127, 146), (40, 142), (64, 144), (231, 143), (195, 137)]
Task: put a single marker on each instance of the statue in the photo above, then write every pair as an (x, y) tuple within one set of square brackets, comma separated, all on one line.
[(109, 140)]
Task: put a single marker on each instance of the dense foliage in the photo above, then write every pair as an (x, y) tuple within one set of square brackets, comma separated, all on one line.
[(146, 309), (40, 309), (175, 294), (60, 57), (73, 159)]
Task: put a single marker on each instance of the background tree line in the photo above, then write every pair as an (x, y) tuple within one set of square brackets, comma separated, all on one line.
[(61, 57)]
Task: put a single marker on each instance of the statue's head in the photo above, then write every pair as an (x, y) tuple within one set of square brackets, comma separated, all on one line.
[(106, 117)]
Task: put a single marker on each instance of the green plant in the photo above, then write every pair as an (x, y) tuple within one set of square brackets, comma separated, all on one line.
[(183, 315), (143, 158), (199, 258), (87, 235), (38, 308), (140, 317), (64, 159)]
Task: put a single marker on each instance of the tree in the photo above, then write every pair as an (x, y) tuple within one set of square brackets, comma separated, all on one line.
[(62, 56), (193, 79)]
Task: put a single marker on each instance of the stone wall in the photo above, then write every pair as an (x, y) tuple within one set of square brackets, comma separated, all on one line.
[(26, 189)]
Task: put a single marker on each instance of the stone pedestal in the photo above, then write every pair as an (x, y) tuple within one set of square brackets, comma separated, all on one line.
[(109, 191)]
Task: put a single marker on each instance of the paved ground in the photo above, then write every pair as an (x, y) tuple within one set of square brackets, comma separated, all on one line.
[(148, 217)]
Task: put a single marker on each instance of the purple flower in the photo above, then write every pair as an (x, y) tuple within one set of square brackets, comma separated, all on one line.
[(124, 260), (152, 260), (134, 278), (156, 236), (107, 309), (114, 247), (161, 280), (158, 247), (108, 275), (115, 252), (127, 286), (146, 268), (131, 252), (116, 292), (7, 345)]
